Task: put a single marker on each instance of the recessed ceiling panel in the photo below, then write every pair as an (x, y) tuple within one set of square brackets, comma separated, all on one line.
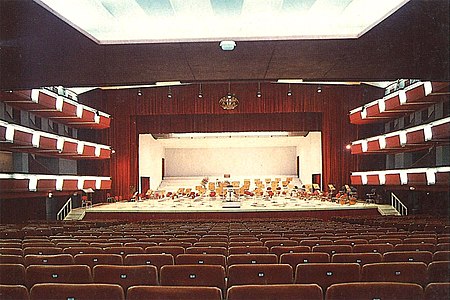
[(165, 21)]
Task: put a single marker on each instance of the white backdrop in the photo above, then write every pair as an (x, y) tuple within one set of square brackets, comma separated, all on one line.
[(234, 161)]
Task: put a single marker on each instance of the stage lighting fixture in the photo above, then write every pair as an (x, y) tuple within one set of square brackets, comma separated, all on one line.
[(258, 94), (200, 92)]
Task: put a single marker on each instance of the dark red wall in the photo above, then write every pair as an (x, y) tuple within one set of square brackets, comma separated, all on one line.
[(306, 109)]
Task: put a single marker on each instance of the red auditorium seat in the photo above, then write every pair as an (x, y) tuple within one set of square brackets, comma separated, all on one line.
[(244, 239), (245, 244), (259, 274), (57, 259), (420, 240), (275, 291), (174, 292), (332, 249), (409, 272), (408, 256), (374, 290), (207, 250), (248, 250), (277, 242), (124, 250), (278, 250), (142, 245), (293, 259), (435, 291), (326, 274), (42, 250), (415, 247), (211, 244), (391, 241), (13, 292), (98, 259), (82, 250), (234, 259), (312, 243), (11, 251), (11, 259), (350, 242), (439, 271), (157, 260), (360, 258), (193, 275), (180, 244), (173, 250), (125, 276), (441, 255), (201, 259), (11, 244), (12, 274), (76, 291), (373, 248), (443, 247), (58, 274)]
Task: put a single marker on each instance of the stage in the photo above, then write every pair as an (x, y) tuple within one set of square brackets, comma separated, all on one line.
[(215, 208), (286, 204)]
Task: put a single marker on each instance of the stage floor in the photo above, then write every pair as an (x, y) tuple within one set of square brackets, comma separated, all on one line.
[(207, 204)]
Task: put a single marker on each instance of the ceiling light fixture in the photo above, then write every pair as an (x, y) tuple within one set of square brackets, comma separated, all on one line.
[(289, 92), (230, 101), (258, 93), (227, 45), (200, 92), (319, 89), (169, 93), (139, 93)]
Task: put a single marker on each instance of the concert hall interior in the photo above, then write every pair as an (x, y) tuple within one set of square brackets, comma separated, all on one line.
[(151, 124)]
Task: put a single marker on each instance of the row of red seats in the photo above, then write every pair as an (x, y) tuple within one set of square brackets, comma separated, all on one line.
[(160, 259), (324, 275), (340, 291)]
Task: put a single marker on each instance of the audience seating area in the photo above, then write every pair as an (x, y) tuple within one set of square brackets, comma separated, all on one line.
[(346, 258)]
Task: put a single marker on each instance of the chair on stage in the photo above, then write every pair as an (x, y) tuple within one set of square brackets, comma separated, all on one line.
[(85, 202)]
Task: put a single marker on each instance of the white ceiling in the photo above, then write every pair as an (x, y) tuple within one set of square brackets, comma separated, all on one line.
[(162, 21)]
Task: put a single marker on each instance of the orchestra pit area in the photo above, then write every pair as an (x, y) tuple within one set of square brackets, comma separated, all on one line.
[(379, 257)]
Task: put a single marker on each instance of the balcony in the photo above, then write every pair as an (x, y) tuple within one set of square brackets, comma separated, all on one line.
[(48, 104)]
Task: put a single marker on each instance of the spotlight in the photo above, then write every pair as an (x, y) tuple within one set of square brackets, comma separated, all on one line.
[(169, 93), (139, 93), (200, 93), (258, 94), (348, 146), (319, 89), (289, 92)]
